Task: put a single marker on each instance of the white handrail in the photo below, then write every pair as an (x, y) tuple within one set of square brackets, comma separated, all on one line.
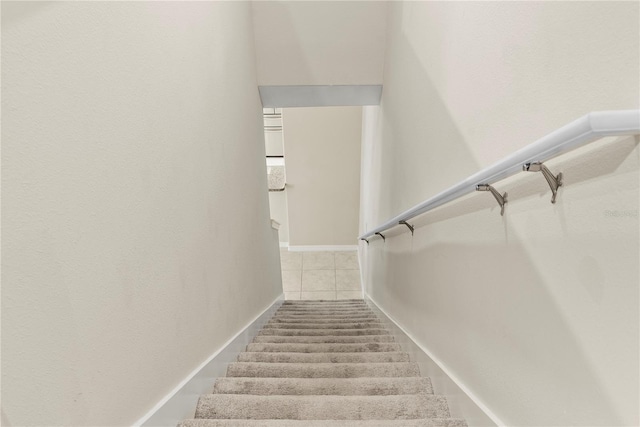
[(582, 131)]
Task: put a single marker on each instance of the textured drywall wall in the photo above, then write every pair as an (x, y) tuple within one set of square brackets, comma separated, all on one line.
[(322, 151), (319, 42), (536, 312), (136, 232)]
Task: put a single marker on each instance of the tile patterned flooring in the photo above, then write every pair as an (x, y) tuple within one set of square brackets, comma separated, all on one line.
[(320, 275)]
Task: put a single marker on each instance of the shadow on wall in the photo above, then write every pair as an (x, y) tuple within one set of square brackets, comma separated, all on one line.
[(480, 289), (577, 169), (288, 31), (435, 301), (406, 155)]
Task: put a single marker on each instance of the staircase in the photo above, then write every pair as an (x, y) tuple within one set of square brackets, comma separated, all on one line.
[(323, 363)]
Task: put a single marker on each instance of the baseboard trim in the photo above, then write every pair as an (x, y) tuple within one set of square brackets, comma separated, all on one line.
[(180, 403), (323, 248), (284, 244), (462, 402)]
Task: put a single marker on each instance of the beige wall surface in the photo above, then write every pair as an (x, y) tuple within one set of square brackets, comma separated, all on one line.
[(536, 312), (322, 154), (136, 234), (319, 42)]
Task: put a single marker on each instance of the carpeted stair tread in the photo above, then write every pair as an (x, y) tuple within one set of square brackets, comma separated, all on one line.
[(322, 370), (324, 315), (362, 308), (324, 348), (393, 407), (425, 422), (324, 301), (355, 309), (323, 386), (325, 319), (323, 364), (323, 332), (324, 309), (343, 325), (304, 301), (323, 339), (285, 318), (324, 304), (281, 357)]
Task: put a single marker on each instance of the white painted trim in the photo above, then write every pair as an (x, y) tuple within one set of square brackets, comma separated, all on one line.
[(275, 224), (284, 244), (322, 248), (462, 402), (180, 403), (320, 95), (275, 161)]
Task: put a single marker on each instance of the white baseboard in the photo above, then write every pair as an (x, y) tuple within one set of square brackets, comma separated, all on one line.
[(180, 403), (284, 244), (322, 248), (462, 403)]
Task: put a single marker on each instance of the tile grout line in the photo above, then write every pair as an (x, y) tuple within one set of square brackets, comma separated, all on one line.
[(335, 289)]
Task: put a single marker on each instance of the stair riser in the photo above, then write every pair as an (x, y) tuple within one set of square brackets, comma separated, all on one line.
[(322, 370), (325, 307), (321, 332), (363, 325), (322, 314), (324, 348), (320, 386), (370, 357), (323, 319), (307, 309), (330, 320), (425, 422), (324, 339), (320, 304), (321, 408), (326, 301)]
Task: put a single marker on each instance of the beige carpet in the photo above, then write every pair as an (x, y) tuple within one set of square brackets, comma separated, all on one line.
[(323, 363)]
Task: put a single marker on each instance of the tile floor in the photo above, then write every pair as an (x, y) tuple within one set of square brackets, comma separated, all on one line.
[(320, 275)]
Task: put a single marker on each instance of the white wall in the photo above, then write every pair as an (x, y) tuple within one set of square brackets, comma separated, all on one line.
[(322, 154), (319, 42), (535, 312), (136, 233)]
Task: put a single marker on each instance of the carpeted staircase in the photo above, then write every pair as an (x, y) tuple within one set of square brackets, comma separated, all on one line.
[(323, 363)]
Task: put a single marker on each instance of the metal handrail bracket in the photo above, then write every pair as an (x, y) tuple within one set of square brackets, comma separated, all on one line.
[(409, 226), (582, 131), (554, 181), (500, 198)]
